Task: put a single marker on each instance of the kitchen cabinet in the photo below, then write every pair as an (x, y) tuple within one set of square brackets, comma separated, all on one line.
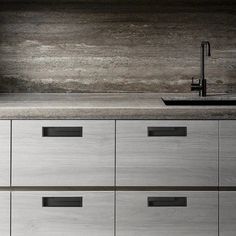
[(5, 152), (117, 177), (227, 213), (63, 153), (5, 213), (63, 213), (167, 153), (227, 152), (167, 213)]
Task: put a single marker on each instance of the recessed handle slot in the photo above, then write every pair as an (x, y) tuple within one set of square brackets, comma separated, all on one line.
[(167, 201), (62, 201), (62, 131), (166, 131)]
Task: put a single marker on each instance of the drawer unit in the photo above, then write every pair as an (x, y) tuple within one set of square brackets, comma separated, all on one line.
[(227, 213), (167, 153), (63, 153), (4, 213), (167, 213), (4, 153), (63, 213), (227, 152)]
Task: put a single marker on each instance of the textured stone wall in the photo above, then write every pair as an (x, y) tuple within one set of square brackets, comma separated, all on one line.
[(115, 46)]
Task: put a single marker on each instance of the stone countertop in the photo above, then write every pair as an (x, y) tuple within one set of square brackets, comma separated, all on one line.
[(105, 106)]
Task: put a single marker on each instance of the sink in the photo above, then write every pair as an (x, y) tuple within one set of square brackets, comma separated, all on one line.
[(199, 101)]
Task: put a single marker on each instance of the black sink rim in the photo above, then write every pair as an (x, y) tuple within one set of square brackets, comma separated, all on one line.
[(199, 102)]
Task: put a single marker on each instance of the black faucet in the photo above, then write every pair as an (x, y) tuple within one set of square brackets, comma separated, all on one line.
[(201, 86)]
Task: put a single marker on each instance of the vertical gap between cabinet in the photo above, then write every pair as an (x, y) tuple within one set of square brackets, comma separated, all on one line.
[(10, 177), (218, 213), (115, 184), (11, 153), (115, 213), (218, 178), (218, 161), (11, 213)]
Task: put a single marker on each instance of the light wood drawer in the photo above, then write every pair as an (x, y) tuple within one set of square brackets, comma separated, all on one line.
[(63, 153), (136, 218), (4, 153), (4, 213), (167, 153), (227, 213), (227, 153), (32, 216)]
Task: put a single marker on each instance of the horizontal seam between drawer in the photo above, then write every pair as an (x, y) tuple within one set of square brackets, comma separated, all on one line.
[(118, 188)]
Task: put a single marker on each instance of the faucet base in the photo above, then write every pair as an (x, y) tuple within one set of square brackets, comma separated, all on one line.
[(204, 88)]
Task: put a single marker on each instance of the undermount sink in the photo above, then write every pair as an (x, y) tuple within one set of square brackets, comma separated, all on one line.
[(201, 101)]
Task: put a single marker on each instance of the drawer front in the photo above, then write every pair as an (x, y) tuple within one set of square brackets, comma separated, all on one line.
[(4, 213), (167, 213), (167, 153), (63, 153), (227, 153), (4, 153), (227, 213), (63, 213)]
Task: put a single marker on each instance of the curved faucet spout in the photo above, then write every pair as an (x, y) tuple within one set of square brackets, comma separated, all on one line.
[(208, 47)]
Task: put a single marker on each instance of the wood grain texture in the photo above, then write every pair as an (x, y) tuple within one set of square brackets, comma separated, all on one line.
[(199, 218), (5, 213), (63, 161), (227, 213), (4, 153), (167, 161), (108, 47), (95, 218), (227, 159)]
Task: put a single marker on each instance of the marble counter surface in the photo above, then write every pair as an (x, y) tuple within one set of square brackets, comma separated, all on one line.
[(105, 106)]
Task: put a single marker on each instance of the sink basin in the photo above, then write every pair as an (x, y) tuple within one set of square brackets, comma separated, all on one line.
[(206, 101)]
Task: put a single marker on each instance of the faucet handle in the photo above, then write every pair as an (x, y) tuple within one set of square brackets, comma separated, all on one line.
[(192, 80), (195, 86), (193, 83)]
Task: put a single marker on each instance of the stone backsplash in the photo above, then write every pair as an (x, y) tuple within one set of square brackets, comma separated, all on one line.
[(106, 46)]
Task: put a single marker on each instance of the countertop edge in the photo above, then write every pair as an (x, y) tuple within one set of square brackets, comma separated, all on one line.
[(119, 106), (118, 114)]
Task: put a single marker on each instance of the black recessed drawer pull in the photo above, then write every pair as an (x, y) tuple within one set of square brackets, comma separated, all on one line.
[(62, 201), (167, 201), (166, 131), (62, 132)]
